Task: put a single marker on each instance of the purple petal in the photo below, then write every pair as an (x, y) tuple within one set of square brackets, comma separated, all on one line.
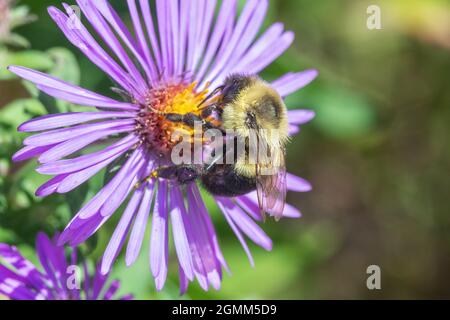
[(75, 179), (177, 211), (236, 232), (63, 90), (29, 152), (98, 283), (54, 121), (172, 39), (112, 290), (239, 62), (24, 268), (195, 13), (250, 11), (13, 286), (118, 237), (205, 30), (293, 130), (159, 234), (249, 203), (210, 237), (291, 212), (50, 186), (212, 233), (88, 160), (87, 228), (83, 101), (70, 146), (292, 82), (140, 224), (297, 184), (142, 41), (298, 117), (250, 206), (97, 201), (184, 281), (205, 15), (61, 135), (180, 40), (265, 42), (82, 39), (207, 268), (224, 23), (247, 225), (163, 22), (148, 20), (99, 11), (159, 249), (230, 54), (122, 191), (282, 44), (47, 253)]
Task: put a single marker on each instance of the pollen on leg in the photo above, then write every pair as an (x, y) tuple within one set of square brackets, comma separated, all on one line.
[(155, 130)]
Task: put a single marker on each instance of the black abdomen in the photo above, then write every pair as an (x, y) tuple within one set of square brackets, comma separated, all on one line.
[(222, 180)]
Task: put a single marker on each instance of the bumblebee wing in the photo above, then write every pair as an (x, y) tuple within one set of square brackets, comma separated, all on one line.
[(271, 189)]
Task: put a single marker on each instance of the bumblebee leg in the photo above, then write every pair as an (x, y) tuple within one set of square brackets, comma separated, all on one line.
[(183, 173), (209, 110), (190, 119)]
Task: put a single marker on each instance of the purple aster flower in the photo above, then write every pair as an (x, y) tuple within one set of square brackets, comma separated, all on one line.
[(21, 280), (169, 71)]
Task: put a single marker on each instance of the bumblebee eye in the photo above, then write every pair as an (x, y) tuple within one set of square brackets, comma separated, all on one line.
[(268, 108)]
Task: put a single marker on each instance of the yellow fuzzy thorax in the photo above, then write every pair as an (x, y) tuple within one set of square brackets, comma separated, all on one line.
[(272, 133)]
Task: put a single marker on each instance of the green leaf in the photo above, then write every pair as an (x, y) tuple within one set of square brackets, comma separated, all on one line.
[(113, 168), (6, 236), (65, 65), (20, 16), (342, 114), (257, 283), (136, 279), (20, 111), (16, 40), (66, 68), (31, 59), (76, 198)]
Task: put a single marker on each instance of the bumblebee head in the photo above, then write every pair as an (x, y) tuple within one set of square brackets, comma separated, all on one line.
[(251, 104)]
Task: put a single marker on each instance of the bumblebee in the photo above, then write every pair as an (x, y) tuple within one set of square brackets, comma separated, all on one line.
[(248, 106)]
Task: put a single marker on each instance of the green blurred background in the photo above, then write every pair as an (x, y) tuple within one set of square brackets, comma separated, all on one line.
[(376, 154)]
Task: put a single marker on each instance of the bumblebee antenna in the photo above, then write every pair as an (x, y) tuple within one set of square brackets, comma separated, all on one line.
[(212, 94)]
